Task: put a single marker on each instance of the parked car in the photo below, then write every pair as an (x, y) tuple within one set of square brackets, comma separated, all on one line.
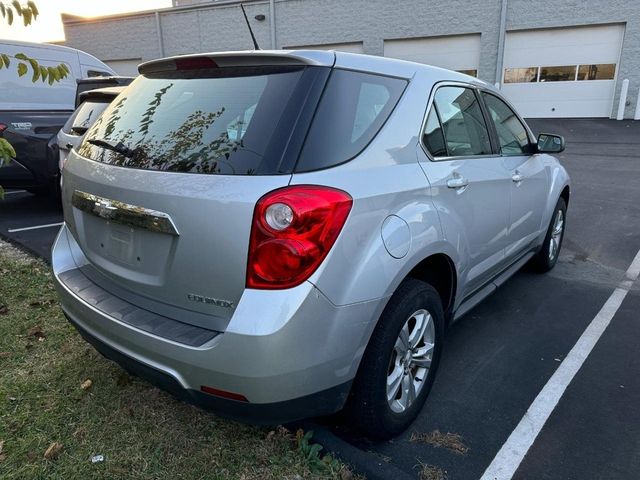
[(31, 113), (91, 103), (278, 235)]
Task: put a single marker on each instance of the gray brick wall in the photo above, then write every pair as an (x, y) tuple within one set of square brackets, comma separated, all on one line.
[(211, 27)]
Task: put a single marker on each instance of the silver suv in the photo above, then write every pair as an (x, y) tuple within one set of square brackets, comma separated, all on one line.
[(277, 235)]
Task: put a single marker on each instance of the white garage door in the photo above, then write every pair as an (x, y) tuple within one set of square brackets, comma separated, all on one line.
[(564, 72), (455, 52), (353, 47), (127, 68)]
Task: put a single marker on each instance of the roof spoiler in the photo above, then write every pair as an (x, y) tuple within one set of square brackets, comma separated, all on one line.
[(239, 59)]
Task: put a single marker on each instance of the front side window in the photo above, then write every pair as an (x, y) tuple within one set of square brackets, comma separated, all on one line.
[(512, 135), (463, 125)]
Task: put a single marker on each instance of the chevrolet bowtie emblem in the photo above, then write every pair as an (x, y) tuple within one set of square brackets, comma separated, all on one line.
[(103, 208)]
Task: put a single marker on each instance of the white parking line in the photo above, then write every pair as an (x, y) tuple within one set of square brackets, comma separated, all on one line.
[(35, 227), (508, 459), (14, 191)]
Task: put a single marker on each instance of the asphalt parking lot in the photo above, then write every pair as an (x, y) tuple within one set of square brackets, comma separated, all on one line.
[(500, 356)]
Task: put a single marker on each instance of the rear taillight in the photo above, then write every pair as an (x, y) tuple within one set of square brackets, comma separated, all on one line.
[(293, 230), (3, 127)]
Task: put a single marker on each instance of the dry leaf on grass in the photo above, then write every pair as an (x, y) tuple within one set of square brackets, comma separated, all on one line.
[(36, 332), (41, 303), (86, 385), (5, 354), (53, 451)]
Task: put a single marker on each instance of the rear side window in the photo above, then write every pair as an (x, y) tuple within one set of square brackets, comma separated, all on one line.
[(84, 116), (229, 122), (463, 125), (353, 109)]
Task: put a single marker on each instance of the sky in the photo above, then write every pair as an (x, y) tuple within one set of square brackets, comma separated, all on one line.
[(48, 27)]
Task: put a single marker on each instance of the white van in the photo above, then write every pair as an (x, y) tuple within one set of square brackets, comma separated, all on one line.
[(31, 113)]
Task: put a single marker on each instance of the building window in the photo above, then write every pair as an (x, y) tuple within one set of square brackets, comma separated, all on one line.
[(471, 72), (565, 73), (521, 75), (600, 71)]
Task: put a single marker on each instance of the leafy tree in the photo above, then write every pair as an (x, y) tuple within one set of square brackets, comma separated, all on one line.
[(28, 12)]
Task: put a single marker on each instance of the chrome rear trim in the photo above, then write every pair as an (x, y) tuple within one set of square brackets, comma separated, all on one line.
[(124, 213)]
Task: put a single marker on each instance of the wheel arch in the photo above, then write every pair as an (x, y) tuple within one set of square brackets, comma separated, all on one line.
[(439, 271), (565, 194)]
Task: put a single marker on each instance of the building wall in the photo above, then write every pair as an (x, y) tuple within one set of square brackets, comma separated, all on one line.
[(212, 26)]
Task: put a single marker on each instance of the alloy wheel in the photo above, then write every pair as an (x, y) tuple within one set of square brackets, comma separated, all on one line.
[(556, 235), (410, 360)]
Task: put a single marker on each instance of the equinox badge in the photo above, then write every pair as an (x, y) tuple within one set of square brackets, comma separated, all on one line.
[(213, 301)]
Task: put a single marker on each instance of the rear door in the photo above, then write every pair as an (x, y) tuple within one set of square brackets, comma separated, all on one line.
[(161, 193), (529, 182), (469, 183)]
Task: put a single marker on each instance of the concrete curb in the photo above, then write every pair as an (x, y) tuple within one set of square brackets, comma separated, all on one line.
[(362, 463)]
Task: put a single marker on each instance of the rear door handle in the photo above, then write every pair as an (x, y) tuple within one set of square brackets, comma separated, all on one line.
[(516, 177), (457, 182), (69, 146)]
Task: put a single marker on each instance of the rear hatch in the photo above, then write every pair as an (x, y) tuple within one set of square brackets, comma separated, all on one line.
[(161, 193)]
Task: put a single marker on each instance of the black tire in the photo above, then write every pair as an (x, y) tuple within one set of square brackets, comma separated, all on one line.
[(543, 261), (368, 407)]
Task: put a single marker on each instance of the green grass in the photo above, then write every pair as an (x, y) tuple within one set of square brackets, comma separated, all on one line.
[(141, 431)]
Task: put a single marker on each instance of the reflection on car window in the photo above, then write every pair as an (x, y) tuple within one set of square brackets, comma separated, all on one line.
[(83, 117), (371, 100), (465, 131), (512, 135), (213, 125)]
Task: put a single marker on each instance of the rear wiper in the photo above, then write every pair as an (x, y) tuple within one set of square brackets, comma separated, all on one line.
[(119, 147)]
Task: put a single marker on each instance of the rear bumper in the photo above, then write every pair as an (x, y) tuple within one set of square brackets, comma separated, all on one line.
[(291, 354), (320, 403)]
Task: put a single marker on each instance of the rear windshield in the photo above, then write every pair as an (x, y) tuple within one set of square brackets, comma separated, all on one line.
[(246, 121), (214, 125)]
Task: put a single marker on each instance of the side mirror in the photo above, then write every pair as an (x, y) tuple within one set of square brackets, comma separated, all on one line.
[(550, 143)]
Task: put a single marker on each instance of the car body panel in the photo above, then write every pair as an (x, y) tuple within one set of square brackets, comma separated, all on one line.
[(207, 258)]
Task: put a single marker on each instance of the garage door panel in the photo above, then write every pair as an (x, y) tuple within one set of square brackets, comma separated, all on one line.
[(571, 47), (562, 99), (455, 52), (600, 44)]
